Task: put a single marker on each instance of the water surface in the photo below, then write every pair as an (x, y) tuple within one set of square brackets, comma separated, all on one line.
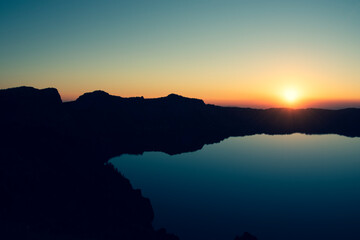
[(276, 187)]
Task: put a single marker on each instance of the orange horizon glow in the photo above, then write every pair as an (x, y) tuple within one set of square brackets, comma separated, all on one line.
[(270, 101)]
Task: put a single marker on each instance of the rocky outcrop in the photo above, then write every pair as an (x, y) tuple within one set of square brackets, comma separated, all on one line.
[(55, 185), (28, 97)]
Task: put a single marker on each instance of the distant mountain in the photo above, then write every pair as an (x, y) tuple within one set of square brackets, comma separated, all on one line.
[(55, 179), (176, 124)]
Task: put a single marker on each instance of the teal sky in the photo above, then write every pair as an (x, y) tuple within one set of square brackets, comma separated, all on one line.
[(226, 52)]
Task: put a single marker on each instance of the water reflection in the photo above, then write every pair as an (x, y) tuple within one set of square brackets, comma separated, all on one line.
[(276, 187)]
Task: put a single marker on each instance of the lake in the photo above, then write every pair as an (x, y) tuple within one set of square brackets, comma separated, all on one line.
[(281, 187)]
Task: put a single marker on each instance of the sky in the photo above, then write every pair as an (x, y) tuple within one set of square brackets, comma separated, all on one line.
[(248, 53)]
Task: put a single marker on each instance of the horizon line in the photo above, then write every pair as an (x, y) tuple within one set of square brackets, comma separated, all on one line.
[(329, 104)]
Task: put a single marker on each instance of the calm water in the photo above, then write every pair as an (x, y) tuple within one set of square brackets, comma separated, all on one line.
[(283, 187)]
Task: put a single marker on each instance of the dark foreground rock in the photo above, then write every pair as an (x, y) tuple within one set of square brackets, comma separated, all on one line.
[(55, 186)]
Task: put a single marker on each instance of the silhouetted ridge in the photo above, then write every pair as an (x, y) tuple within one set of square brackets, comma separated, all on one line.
[(105, 101), (94, 94), (179, 102), (179, 98), (29, 97), (96, 97), (101, 97)]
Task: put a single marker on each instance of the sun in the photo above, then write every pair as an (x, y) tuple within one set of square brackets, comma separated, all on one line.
[(290, 95)]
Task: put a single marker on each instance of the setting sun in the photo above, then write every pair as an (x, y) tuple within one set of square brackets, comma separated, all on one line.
[(290, 95)]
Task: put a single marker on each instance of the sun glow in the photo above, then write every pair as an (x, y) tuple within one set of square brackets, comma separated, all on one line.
[(290, 95)]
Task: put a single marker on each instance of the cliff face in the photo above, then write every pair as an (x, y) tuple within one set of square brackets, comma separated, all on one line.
[(54, 185), (28, 97)]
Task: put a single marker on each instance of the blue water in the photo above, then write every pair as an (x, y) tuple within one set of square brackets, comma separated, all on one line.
[(283, 187)]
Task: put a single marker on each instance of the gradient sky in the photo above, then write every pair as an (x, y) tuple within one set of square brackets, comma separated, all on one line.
[(243, 53)]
